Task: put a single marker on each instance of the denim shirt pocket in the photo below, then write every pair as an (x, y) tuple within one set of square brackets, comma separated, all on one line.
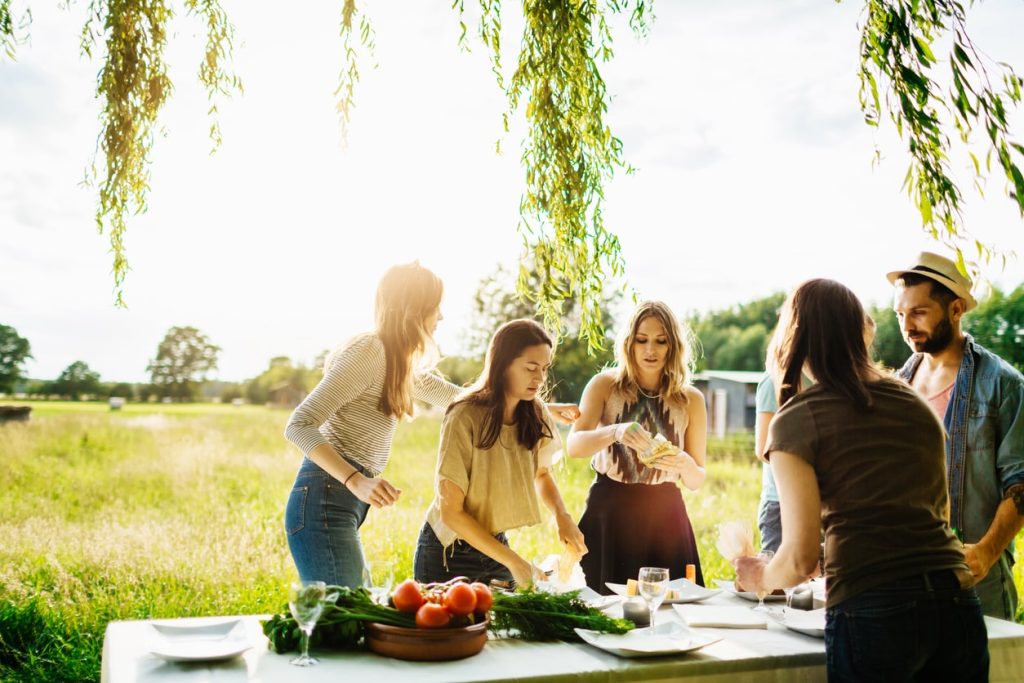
[(983, 420)]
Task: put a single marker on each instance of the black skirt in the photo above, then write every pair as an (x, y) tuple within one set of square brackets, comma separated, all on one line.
[(628, 526)]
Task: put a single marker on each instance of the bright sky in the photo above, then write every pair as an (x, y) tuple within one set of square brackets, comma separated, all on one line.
[(754, 173)]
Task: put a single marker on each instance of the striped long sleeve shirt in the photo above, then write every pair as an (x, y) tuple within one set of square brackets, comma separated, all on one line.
[(343, 410)]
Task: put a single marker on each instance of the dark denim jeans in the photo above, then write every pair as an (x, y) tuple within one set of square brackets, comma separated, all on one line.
[(322, 520), (433, 562), (919, 628)]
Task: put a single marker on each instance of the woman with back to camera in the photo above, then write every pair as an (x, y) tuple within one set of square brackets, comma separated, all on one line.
[(861, 455), (493, 463), (635, 515)]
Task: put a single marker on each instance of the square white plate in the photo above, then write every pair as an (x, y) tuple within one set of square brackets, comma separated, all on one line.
[(730, 587), (811, 623), (688, 592), (668, 639), (199, 642)]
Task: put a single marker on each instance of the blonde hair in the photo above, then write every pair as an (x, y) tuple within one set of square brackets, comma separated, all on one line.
[(678, 363), (406, 296)]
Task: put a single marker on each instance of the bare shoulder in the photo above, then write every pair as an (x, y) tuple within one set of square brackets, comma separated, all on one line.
[(694, 396), (600, 385)]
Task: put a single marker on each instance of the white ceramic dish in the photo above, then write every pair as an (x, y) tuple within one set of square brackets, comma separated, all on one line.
[(811, 623), (730, 587), (199, 642), (668, 639), (688, 592)]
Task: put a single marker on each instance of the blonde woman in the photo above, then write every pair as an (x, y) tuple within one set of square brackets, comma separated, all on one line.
[(346, 424), (635, 515)]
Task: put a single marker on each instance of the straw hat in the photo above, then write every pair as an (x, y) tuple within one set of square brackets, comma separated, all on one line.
[(941, 270)]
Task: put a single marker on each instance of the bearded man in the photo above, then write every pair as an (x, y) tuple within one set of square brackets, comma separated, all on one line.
[(979, 397)]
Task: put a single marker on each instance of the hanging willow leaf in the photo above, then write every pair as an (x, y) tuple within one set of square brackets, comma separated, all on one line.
[(349, 76), (12, 33), (897, 48)]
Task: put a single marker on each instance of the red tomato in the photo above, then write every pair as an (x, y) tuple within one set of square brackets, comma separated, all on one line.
[(430, 615), (407, 597), (460, 599), (484, 599)]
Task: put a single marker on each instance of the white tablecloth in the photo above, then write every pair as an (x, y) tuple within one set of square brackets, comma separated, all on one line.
[(743, 656)]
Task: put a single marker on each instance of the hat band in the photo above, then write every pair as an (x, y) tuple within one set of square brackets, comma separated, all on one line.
[(932, 270)]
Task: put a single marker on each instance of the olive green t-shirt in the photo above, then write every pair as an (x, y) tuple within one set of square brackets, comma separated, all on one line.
[(882, 477), (498, 482)]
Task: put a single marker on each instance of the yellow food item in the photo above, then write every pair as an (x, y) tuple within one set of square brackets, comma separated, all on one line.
[(659, 449), (632, 588)]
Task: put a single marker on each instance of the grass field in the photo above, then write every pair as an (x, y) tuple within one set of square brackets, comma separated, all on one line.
[(168, 511)]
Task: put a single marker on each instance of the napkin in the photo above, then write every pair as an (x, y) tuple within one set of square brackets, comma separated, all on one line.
[(721, 616)]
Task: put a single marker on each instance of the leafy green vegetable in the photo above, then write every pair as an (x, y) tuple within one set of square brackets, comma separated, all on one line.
[(527, 615), (534, 615), (341, 624)]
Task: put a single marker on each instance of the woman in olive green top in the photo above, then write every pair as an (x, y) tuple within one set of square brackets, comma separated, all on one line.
[(864, 454), (494, 461)]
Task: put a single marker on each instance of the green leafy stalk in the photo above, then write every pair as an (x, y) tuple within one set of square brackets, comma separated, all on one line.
[(535, 615), (219, 45), (349, 76), (12, 33), (897, 49), (569, 153)]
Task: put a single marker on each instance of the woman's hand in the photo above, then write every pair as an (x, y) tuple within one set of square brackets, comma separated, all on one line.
[(524, 573), (374, 491), (750, 573), (564, 413), (571, 535), (680, 464), (633, 435)]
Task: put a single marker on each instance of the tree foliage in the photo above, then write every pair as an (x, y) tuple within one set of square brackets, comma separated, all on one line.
[(183, 358), (497, 301), (282, 373), (14, 351), (569, 152), (736, 338), (898, 43), (77, 380), (998, 325)]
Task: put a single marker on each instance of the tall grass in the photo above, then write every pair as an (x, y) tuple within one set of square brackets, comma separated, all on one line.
[(168, 511)]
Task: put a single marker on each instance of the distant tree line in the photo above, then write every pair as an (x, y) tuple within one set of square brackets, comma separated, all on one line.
[(732, 338)]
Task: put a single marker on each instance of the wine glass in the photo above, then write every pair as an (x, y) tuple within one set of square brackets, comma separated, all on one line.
[(380, 591), (766, 555), (653, 586), (306, 602)]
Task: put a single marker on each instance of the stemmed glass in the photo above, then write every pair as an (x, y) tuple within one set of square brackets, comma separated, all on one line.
[(653, 586), (379, 592), (306, 602), (766, 555)]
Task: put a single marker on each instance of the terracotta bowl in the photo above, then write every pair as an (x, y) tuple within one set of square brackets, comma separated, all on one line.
[(426, 644)]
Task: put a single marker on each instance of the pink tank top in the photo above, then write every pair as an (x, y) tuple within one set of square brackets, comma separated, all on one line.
[(940, 401)]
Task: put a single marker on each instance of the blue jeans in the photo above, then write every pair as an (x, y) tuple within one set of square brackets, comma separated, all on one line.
[(435, 563), (322, 520), (769, 522), (919, 628)]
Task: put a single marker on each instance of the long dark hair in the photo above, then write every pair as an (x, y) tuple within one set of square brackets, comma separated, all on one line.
[(507, 344), (822, 325)]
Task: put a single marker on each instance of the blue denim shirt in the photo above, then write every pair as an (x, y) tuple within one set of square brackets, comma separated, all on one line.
[(985, 444)]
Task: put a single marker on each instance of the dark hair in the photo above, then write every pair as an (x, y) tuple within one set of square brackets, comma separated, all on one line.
[(822, 324), (939, 292), (507, 344)]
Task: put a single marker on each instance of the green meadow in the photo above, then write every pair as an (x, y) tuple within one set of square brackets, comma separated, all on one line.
[(171, 511)]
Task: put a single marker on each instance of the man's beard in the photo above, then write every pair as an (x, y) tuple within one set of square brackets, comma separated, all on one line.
[(939, 339)]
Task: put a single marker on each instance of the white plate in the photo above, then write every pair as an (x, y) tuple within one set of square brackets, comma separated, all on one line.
[(668, 639), (199, 642), (811, 623), (688, 592), (730, 587)]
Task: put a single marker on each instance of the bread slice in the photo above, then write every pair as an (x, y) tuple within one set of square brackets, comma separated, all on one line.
[(659, 449)]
